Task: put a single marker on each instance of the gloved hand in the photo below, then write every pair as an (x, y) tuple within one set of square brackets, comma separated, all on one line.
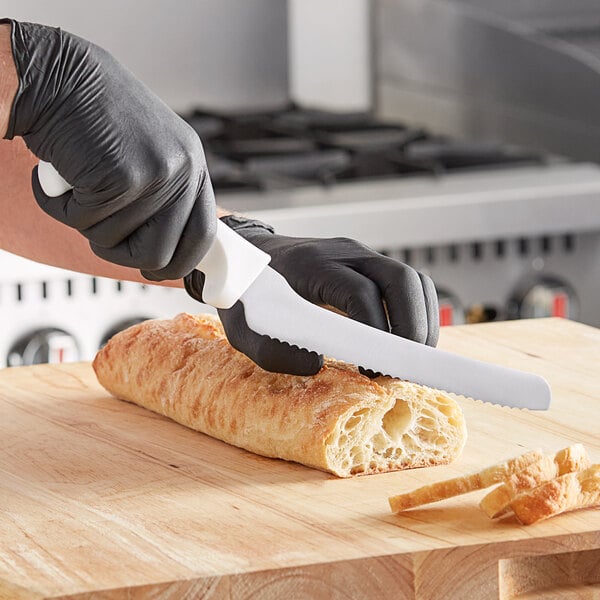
[(142, 195), (341, 273)]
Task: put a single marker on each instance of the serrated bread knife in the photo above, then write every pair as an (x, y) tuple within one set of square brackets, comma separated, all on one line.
[(237, 270)]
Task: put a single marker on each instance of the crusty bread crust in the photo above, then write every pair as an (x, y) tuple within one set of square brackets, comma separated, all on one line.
[(462, 485), (570, 491), (337, 420), (567, 460)]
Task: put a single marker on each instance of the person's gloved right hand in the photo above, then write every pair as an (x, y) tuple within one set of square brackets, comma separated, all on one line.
[(340, 273), (142, 195)]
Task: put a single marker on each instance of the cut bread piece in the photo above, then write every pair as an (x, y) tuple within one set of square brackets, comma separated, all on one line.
[(337, 420), (567, 460), (573, 458), (568, 492), (461, 485)]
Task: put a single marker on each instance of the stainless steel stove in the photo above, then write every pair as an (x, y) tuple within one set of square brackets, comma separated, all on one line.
[(504, 232), (457, 169)]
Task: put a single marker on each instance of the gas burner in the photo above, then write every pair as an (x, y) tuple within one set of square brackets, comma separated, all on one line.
[(450, 154), (294, 147), (273, 145), (226, 175), (301, 120), (206, 126), (321, 166), (239, 126), (367, 137), (383, 164)]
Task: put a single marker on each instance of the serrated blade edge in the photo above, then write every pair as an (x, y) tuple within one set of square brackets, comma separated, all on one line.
[(273, 308)]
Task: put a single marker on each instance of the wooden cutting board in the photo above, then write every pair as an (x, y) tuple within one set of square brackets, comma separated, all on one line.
[(103, 499)]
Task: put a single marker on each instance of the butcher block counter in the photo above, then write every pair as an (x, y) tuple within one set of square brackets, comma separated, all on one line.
[(101, 499)]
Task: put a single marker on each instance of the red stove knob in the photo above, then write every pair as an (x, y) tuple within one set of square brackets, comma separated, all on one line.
[(546, 297), (450, 310), (49, 345)]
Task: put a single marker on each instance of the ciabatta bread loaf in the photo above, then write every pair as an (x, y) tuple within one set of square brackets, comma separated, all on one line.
[(337, 420)]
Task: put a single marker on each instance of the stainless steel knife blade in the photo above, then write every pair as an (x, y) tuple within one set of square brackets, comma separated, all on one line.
[(273, 308)]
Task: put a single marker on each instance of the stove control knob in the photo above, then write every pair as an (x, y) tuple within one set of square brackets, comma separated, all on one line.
[(451, 311), (120, 326), (545, 297), (49, 345)]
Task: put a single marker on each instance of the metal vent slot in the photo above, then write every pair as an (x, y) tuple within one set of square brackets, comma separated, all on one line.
[(476, 250), (523, 248), (500, 248), (430, 255), (569, 242), (453, 253)]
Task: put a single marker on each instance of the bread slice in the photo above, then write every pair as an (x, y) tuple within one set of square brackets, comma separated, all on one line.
[(567, 460), (337, 420), (461, 485), (568, 492)]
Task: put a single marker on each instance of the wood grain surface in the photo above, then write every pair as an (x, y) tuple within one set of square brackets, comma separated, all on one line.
[(104, 500)]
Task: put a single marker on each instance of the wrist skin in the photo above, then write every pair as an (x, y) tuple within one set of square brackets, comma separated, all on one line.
[(9, 81)]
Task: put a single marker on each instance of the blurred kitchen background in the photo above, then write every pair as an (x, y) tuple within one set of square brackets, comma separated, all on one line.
[(459, 136)]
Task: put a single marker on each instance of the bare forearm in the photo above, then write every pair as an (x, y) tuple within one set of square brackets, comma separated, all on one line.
[(27, 231), (24, 228), (8, 78)]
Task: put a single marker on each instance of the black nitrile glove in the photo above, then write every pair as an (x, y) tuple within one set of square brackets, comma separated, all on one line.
[(142, 195), (339, 272)]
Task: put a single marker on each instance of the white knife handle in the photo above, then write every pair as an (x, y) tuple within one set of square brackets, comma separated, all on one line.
[(230, 265), (51, 181)]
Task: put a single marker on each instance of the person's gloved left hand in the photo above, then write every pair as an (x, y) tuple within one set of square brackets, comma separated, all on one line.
[(142, 195), (341, 273)]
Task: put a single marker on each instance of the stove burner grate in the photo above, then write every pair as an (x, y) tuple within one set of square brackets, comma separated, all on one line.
[(293, 147)]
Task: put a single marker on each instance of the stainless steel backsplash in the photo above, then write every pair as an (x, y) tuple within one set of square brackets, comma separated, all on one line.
[(219, 53), (484, 69)]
